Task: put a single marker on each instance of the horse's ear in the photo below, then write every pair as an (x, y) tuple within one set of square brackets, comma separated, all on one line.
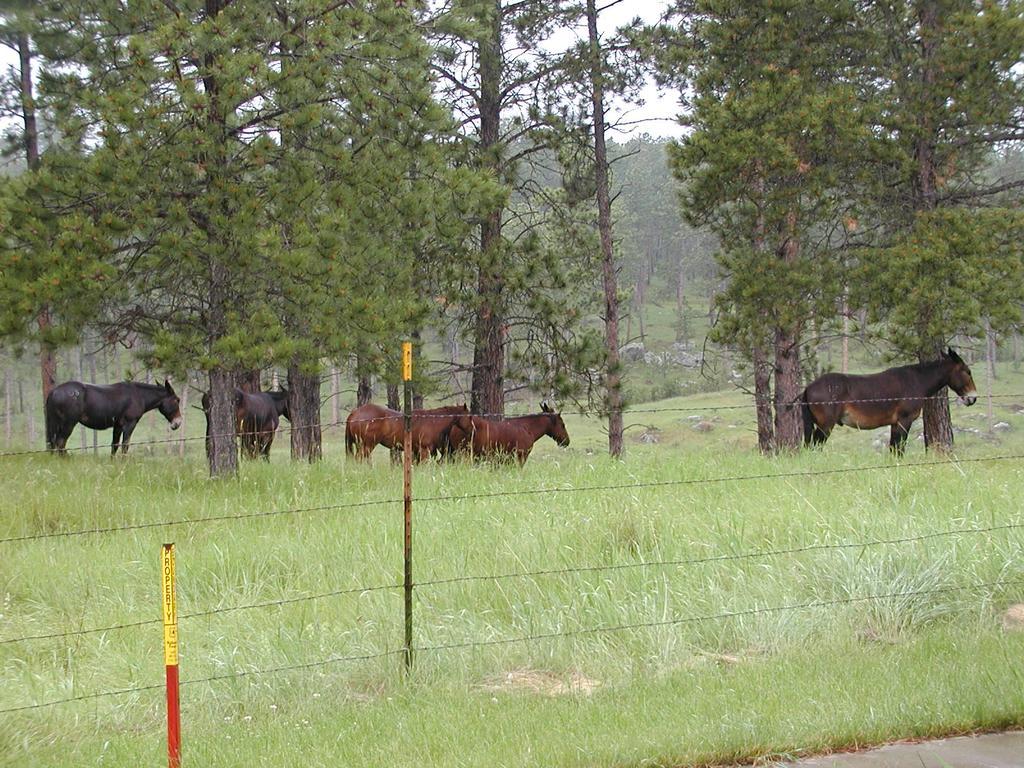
[(953, 355), (168, 387), (545, 407)]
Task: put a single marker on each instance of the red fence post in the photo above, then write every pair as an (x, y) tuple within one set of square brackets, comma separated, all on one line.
[(170, 614)]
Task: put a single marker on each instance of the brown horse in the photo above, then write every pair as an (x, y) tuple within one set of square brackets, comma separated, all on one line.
[(371, 425), (895, 396), (509, 438)]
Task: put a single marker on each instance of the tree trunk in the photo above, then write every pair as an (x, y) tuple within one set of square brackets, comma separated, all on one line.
[(44, 320), (488, 386), (609, 269), (335, 395), (92, 378), (183, 405), (364, 389), (788, 414), (8, 407), (991, 349), (221, 449), (81, 377), (29, 410), (990, 372), (846, 333), (304, 406), (938, 427), (417, 358), (682, 329), (763, 400), (248, 381)]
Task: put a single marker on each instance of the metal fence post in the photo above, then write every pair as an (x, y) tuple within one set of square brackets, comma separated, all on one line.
[(407, 497)]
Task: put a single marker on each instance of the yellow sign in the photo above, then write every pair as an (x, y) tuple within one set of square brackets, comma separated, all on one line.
[(170, 609), (406, 361)]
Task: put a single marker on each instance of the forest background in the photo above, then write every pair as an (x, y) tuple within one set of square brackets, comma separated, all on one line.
[(238, 194)]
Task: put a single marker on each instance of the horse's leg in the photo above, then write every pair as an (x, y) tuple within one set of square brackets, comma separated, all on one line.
[(116, 441), (820, 435), (364, 448), (898, 434), (126, 435), (63, 432)]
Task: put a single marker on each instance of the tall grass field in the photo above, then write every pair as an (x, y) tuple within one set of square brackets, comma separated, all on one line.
[(693, 604)]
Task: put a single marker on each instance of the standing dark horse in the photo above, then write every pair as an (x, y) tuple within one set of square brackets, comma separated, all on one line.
[(370, 425), (257, 416), (895, 396), (508, 438), (117, 406)]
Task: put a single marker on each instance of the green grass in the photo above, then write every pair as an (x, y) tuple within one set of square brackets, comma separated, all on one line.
[(694, 692)]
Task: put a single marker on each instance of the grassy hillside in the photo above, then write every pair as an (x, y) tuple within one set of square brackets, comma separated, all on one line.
[(732, 617)]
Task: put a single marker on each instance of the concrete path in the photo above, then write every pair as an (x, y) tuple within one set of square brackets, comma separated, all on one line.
[(996, 750)]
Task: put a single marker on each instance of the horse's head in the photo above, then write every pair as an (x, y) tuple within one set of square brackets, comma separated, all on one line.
[(170, 406), (463, 421), (960, 379), (281, 403), (556, 428)]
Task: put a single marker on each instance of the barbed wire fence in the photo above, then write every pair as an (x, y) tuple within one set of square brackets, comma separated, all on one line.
[(396, 417), (1008, 580)]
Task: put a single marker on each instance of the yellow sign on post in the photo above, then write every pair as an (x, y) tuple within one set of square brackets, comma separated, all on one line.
[(406, 361), (170, 608)]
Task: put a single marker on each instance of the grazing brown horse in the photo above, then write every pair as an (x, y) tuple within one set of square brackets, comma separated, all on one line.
[(895, 396), (505, 439), (370, 425), (117, 406)]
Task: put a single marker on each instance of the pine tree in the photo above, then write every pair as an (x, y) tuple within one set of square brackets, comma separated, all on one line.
[(944, 77), (776, 131), (517, 289), (245, 154)]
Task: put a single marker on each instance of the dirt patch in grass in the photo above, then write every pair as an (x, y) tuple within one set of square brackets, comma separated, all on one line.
[(542, 683), (1013, 619)]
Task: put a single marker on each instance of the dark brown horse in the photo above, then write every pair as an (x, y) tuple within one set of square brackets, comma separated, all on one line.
[(371, 425), (112, 406), (257, 416), (895, 396), (509, 438)]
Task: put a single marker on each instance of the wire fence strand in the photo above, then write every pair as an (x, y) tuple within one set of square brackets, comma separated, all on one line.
[(435, 582), (895, 465), (394, 415), (202, 614), (533, 637)]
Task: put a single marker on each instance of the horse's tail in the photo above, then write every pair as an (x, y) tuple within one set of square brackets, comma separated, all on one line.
[(51, 422), (807, 417), (350, 438)]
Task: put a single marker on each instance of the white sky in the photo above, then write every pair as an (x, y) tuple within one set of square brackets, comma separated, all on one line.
[(655, 116)]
